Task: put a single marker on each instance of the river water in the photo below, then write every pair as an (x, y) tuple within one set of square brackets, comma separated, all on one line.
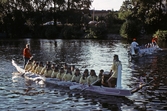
[(17, 93)]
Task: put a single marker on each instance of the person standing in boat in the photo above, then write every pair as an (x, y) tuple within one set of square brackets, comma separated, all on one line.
[(26, 54), (113, 79), (135, 46)]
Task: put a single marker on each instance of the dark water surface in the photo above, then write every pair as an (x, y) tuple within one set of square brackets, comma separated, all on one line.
[(17, 93)]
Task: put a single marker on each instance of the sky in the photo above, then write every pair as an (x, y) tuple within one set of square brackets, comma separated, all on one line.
[(107, 4)]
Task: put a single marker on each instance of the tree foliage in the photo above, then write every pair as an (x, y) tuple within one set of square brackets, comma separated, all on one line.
[(129, 29), (33, 13), (150, 14), (161, 34)]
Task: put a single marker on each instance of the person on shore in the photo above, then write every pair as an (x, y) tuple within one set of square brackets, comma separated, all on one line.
[(83, 79), (26, 54), (68, 75), (92, 77), (113, 79), (77, 75)]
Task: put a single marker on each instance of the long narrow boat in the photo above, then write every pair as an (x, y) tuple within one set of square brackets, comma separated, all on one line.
[(118, 91)]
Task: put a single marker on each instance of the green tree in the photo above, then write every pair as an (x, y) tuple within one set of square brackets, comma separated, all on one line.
[(149, 14), (34, 13), (129, 29)]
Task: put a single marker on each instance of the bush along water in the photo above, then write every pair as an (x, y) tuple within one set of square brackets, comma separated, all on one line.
[(161, 34)]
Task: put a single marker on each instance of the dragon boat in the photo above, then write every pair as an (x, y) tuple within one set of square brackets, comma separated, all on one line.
[(117, 91)]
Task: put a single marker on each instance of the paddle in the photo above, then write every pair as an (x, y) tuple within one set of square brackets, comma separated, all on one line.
[(90, 85), (79, 85), (75, 86), (141, 86)]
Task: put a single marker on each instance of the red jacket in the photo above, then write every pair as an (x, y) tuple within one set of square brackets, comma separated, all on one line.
[(26, 53)]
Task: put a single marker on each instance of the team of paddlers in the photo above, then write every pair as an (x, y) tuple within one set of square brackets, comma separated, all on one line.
[(69, 73), (66, 73)]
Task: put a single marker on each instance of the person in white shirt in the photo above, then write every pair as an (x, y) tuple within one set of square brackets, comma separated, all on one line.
[(76, 76), (92, 77), (134, 45)]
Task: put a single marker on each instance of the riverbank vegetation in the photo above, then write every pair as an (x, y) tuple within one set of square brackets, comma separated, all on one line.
[(68, 19)]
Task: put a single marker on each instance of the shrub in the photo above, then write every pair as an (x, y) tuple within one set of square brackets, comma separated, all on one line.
[(99, 31), (71, 32), (161, 34), (129, 29)]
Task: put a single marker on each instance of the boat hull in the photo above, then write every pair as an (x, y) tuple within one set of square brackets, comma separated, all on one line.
[(92, 88)]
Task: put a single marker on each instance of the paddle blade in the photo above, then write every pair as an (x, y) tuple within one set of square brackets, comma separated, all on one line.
[(75, 86)]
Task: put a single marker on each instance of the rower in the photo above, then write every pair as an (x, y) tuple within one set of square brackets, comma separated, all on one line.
[(83, 79), (34, 67), (100, 77), (48, 64), (28, 65), (48, 71), (77, 75), (106, 75), (68, 74), (92, 77), (65, 66), (55, 72), (61, 73), (39, 68), (31, 66)]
